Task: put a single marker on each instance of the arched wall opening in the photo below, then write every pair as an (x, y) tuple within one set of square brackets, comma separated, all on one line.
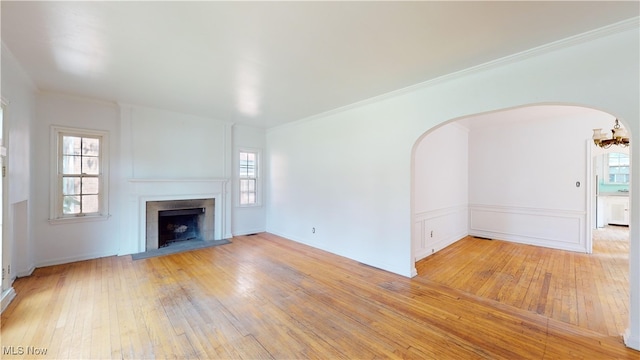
[(520, 174)]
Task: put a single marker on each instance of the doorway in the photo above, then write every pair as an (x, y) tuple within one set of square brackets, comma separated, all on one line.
[(519, 190)]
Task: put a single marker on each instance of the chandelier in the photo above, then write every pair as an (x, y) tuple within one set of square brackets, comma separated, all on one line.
[(618, 137)]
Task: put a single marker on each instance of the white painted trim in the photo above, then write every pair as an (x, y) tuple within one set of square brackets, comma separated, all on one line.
[(7, 296), (431, 214), (55, 195), (439, 245), (554, 243), (154, 180), (29, 271), (590, 194), (72, 259), (421, 250), (218, 227), (612, 29), (526, 210), (236, 177), (631, 341), (368, 262), (249, 232)]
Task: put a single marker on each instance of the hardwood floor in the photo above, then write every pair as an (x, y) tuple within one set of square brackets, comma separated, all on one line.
[(588, 290), (267, 297)]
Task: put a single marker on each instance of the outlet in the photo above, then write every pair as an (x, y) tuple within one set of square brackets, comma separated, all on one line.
[(9, 269), (433, 250), (431, 233)]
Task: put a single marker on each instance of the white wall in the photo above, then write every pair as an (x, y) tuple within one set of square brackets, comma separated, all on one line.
[(65, 242), (523, 180), (173, 145), (440, 197), (19, 93), (248, 220), (347, 172)]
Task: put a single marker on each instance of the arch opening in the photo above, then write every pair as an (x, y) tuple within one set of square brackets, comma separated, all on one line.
[(521, 175)]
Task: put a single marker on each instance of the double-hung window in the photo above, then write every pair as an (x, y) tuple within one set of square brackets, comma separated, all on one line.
[(80, 178), (248, 176)]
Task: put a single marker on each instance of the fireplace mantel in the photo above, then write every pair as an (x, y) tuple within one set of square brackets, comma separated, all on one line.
[(142, 190), (168, 180)]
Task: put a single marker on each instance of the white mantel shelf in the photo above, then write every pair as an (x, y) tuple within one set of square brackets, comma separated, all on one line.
[(142, 190), (179, 180)]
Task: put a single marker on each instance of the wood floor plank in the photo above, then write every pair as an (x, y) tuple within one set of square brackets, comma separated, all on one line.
[(267, 297)]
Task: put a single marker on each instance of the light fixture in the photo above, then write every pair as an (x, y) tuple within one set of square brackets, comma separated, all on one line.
[(618, 137)]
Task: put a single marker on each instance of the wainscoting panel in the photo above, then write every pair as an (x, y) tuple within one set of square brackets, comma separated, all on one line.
[(437, 229), (558, 229)]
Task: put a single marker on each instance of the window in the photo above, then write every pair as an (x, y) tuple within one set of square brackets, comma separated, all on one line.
[(79, 183), (618, 168), (248, 175)]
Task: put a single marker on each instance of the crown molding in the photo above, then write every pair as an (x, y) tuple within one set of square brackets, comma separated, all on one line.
[(619, 27)]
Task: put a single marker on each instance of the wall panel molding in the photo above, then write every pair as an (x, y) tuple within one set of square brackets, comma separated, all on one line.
[(436, 229), (552, 228)]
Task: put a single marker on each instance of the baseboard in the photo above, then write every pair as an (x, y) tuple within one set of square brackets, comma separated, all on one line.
[(408, 272), (631, 341), (248, 232), (439, 245), (7, 296), (73, 259), (528, 240), (27, 272)]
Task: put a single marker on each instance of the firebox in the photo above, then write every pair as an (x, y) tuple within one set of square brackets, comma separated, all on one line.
[(179, 225), (171, 221)]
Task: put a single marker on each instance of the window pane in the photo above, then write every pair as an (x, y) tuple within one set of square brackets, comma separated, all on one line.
[(71, 165), (624, 160), (89, 203), (71, 186), (252, 185), (90, 185), (90, 147), (90, 165), (71, 145), (71, 205), (244, 198), (247, 164)]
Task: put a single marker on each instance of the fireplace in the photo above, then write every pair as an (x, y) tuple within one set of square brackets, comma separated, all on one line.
[(180, 225), (171, 221)]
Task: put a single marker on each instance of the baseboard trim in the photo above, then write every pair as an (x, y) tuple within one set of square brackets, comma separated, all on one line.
[(26, 273), (7, 296), (631, 341), (248, 232), (72, 259)]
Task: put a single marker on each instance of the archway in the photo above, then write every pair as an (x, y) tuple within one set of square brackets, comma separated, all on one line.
[(540, 198)]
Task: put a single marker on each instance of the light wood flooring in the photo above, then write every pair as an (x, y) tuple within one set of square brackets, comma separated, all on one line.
[(267, 297), (588, 290)]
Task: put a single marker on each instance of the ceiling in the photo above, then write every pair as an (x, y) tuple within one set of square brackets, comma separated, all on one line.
[(268, 63)]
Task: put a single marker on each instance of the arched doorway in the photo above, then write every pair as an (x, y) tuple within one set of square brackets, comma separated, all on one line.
[(527, 180)]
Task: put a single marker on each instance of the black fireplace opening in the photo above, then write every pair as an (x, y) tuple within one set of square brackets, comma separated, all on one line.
[(179, 225)]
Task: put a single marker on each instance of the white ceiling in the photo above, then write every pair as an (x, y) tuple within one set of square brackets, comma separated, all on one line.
[(267, 63)]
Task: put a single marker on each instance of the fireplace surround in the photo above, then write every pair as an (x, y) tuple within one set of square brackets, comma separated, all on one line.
[(191, 218)]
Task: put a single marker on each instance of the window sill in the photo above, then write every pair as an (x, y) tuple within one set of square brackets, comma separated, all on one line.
[(249, 206), (78, 219)]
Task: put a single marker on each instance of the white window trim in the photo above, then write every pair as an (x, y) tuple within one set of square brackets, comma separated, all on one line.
[(608, 171), (237, 177), (55, 188)]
